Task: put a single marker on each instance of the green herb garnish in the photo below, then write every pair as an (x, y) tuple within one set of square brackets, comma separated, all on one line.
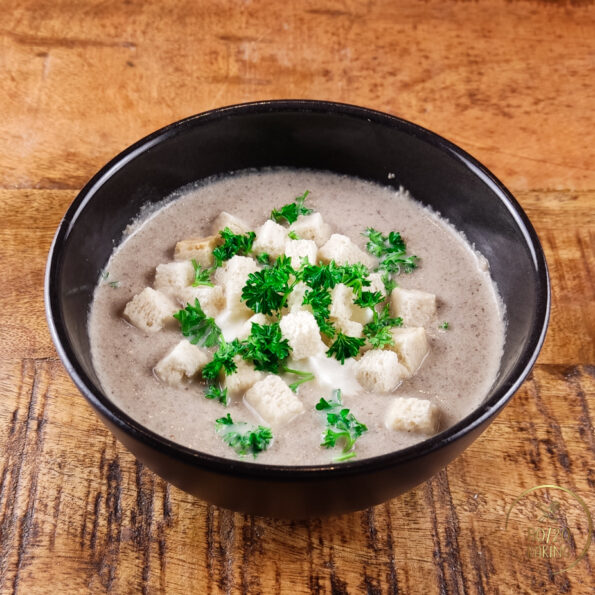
[(263, 258), (266, 347), (343, 427), (322, 276), (222, 360), (355, 276), (444, 326), (293, 236), (303, 377), (202, 276), (389, 284), (232, 244), (267, 290), (197, 327), (292, 211), (368, 299), (243, 438), (319, 300), (345, 347), (114, 284), (217, 393), (377, 331), (390, 251)]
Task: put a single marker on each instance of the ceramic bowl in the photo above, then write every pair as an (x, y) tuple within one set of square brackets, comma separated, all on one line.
[(298, 134)]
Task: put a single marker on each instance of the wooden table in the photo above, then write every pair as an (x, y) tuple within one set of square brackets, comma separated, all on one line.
[(513, 82)]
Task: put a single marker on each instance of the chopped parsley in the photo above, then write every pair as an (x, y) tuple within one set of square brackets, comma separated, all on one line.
[(388, 282), (197, 327), (303, 377), (390, 251), (355, 276), (377, 331), (292, 211), (266, 347), (342, 427), (345, 347), (368, 299), (112, 284), (222, 360), (216, 393), (263, 258), (444, 326), (233, 244), (267, 290), (319, 300), (293, 236), (243, 438), (323, 276), (202, 276)]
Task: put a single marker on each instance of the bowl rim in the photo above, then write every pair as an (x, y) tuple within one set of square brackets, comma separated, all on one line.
[(249, 468)]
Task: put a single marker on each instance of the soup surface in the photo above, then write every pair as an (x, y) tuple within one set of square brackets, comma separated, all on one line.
[(456, 375)]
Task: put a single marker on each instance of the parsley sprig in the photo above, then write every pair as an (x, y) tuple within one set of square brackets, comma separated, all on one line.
[(197, 327), (266, 347), (342, 426), (202, 276), (390, 250), (232, 244), (345, 347), (223, 359), (217, 393), (243, 438), (377, 331), (290, 212)]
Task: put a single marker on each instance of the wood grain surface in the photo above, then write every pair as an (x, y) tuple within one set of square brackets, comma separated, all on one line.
[(512, 82)]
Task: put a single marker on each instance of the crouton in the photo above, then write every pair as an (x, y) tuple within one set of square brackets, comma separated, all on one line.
[(211, 299), (379, 371), (181, 364), (225, 219), (343, 251), (416, 308), (342, 306), (411, 345), (301, 331), (312, 227), (273, 400), (298, 249), (270, 238), (233, 276), (173, 276), (296, 297), (351, 328), (376, 283), (150, 310), (246, 328), (199, 249), (409, 414), (243, 378)]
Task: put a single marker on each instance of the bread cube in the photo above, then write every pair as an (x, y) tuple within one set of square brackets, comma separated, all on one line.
[(416, 308), (173, 276), (225, 219), (242, 379), (273, 400), (233, 276), (150, 310), (342, 306), (296, 297), (246, 328), (343, 251), (298, 249), (270, 238), (376, 283), (301, 331), (199, 249), (312, 227), (379, 371), (211, 299), (409, 414), (348, 327), (411, 345), (181, 364)]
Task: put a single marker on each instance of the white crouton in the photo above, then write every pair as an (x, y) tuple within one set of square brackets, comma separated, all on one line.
[(409, 414), (270, 238), (342, 306), (379, 371), (150, 310), (298, 249), (181, 364), (296, 297), (243, 378), (301, 331), (225, 219), (232, 276), (173, 276), (343, 251), (199, 249), (312, 227), (211, 299), (273, 400), (246, 328), (376, 283), (416, 308), (411, 345), (351, 328)]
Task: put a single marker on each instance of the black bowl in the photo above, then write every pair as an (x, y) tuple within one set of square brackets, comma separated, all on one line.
[(298, 134)]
